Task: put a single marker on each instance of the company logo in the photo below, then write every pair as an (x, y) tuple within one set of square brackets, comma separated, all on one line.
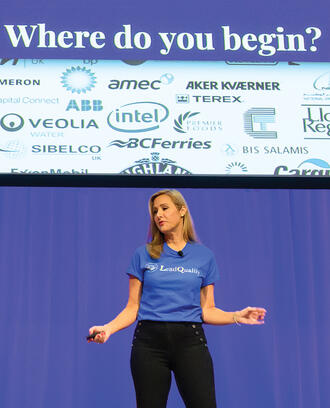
[(229, 149), (78, 80), (185, 124), (13, 149), (12, 122), (236, 168), (179, 269), (317, 122), (233, 86), (182, 98), (29, 100), (275, 150), (152, 267), (50, 171), (156, 142), (4, 61), (155, 166), (217, 99), (179, 122), (66, 149), (138, 117), (85, 105), (322, 82), (257, 122), (20, 82), (144, 84), (311, 167)]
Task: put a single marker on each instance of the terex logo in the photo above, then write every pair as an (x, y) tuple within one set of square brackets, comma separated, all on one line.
[(138, 117)]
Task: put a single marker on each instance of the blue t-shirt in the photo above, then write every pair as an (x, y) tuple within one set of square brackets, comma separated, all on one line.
[(172, 283)]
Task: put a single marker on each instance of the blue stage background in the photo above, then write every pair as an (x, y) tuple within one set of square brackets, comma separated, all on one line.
[(63, 257)]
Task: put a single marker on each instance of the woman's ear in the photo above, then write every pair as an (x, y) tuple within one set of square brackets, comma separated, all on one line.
[(183, 211)]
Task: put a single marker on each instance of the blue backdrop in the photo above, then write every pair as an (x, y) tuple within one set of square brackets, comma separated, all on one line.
[(63, 256)]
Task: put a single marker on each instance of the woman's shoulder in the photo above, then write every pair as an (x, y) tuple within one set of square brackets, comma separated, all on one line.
[(201, 249)]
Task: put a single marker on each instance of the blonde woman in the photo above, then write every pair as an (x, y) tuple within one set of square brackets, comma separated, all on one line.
[(171, 293)]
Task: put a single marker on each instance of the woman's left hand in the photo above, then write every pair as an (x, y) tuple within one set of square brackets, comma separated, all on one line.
[(251, 315)]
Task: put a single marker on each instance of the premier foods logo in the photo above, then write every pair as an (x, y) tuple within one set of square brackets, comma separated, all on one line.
[(138, 117)]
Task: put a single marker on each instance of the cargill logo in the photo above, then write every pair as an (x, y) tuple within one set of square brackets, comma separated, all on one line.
[(138, 117)]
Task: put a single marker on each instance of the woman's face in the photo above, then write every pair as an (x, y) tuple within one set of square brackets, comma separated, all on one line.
[(166, 216)]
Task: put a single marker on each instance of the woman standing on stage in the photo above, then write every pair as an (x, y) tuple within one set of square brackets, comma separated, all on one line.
[(171, 293)]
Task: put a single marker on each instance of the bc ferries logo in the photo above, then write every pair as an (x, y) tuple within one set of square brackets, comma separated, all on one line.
[(138, 117), (78, 80), (152, 267)]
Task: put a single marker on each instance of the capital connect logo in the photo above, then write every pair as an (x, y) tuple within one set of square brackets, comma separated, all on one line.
[(138, 117), (12, 122), (257, 122), (78, 80)]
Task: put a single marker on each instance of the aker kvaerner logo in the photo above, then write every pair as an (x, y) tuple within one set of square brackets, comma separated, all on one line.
[(236, 168), (155, 166), (78, 80), (311, 167), (142, 84), (152, 267), (137, 117), (316, 123), (257, 122), (185, 124), (322, 83), (233, 86), (49, 171), (12, 122)]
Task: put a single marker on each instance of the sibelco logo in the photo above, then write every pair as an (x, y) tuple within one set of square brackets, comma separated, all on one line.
[(138, 117), (152, 267), (236, 168), (12, 122)]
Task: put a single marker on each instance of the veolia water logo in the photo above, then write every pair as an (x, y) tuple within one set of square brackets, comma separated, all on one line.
[(78, 80), (12, 122), (138, 117)]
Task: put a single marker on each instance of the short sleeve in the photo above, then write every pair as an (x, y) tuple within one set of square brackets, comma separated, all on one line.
[(212, 273), (134, 268)]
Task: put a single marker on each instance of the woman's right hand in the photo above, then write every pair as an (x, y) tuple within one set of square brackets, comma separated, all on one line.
[(102, 336)]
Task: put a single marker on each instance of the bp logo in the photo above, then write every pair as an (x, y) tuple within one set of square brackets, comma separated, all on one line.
[(78, 80), (152, 267)]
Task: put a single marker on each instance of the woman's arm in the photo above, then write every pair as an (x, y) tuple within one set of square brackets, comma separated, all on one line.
[(125, 318), (213, 315)]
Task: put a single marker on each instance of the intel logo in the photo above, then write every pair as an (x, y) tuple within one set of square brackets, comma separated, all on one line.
[(138, 117)]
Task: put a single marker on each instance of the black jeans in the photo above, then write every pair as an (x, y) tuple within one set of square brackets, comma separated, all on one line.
[(161, 347)]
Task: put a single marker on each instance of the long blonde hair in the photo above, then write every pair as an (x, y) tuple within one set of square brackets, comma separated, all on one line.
[(156, 238)]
